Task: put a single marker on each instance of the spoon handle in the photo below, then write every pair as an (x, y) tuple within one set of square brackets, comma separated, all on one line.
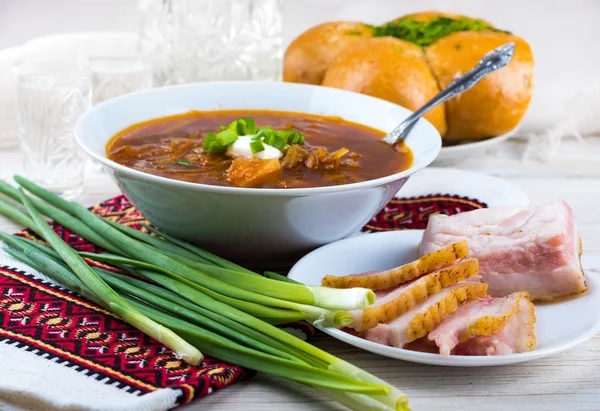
[(492, 61)]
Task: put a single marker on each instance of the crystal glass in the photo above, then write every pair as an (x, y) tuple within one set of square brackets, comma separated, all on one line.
[(51, 95), (119, 67), (9, 128), (210, 40)]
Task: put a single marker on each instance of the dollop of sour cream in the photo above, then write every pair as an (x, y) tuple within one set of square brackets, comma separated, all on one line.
[(241, 148)]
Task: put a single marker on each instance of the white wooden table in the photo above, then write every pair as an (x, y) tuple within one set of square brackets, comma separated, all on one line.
[(570, 381)]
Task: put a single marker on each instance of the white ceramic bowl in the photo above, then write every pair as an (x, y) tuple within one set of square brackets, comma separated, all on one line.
[(274, 226)]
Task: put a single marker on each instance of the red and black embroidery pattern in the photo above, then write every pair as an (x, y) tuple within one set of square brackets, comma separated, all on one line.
[(74, 332), (52, 321), (414, 213)]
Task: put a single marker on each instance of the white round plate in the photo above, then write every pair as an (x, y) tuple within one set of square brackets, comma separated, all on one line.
[(493, 191), (453, 155), (559, 326)]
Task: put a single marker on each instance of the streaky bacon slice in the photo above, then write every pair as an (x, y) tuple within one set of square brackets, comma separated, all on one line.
[(396, 301), (533, 249), (517, 336), (476, 320), (381, 280), (424, 317)]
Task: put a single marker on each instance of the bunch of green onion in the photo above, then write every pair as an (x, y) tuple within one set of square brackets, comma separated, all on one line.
[(217, 143), (193, 301)]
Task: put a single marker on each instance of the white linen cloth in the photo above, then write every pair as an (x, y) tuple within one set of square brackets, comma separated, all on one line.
[(579, 118), (32, 382)]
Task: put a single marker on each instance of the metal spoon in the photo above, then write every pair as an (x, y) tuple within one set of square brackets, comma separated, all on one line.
[(492, 61)]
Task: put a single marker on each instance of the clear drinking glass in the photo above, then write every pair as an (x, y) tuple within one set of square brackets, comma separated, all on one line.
[(119, 67), (51, 95), (209, 40)]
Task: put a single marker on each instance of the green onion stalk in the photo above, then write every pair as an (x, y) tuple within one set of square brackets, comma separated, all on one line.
[(107, 295), (346, 390), (16, 215), (256, 289), (333, 298), (276, 276), (271, 315), (173, 303), (190, 278), (395, 399), (185, 281), (64, 219), (45, 259), (357, 402), (229, 351), (198, 252), (53, 210), (163, 246)]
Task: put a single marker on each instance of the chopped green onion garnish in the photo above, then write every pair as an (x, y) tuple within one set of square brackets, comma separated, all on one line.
[(258, 135), (227, 137), (242, 127), (217, 143), (293, 137), (183, 163), (280, 139), (212, 145), (267, 132), (257, 146), (280, 143), (269, 137), (245, 126)]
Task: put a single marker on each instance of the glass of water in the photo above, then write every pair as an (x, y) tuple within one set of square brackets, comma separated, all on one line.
[(211, 40), (51, 95), (119, 67)]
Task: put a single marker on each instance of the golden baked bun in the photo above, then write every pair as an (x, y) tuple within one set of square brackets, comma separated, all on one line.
[(390, 69), (307, 58), (495, 105), (407, 60)]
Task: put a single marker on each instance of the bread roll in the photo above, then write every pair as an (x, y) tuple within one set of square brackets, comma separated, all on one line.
[(307, 58), (407, 61), (495, 105), (390, 69)]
